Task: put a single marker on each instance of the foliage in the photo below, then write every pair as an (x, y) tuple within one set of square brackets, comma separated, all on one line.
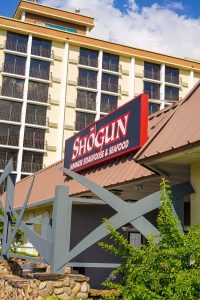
[(168, 269)]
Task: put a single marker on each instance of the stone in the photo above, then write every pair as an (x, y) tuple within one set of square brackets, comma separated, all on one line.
[(35, 293), (43, 293), (50, 288), (72, 284), (67, 270), (66, 282), (64, 296), (84, 287), (67, 290), (58, 284), (76, 288), (42, 285), (81, 295), (58, 291)]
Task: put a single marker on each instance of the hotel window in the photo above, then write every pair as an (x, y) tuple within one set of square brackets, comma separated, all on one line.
[(88, 57), (32, 161), (6, 155), (16, 42), (110, 83), (38, 91), (10, 111), (153, 89), (86, 100), (110, 62), (153, 107), (172, 75), (12, 87), (41, 47), (83, 120), (87, 78), (171, 93), (151, 71), (108, 103), (34, 138), (14, 64), (39, 69), (9, 135), (36, 114)]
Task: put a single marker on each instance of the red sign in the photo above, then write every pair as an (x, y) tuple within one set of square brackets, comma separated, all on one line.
[(122, 131)]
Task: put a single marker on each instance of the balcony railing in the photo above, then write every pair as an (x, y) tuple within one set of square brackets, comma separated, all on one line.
[(38, 97), (30, 167), (87, 61), (12, 140), (87, 83), (10, 116), (34, 143), (37, 120), (42, 52), (172, 97), (14, 93), (110, 87), (152, 75), (16, 46), (13, 69), (86, 104), (153, 95), (3, 164), (115, 67), (46, 75), (172, 79)]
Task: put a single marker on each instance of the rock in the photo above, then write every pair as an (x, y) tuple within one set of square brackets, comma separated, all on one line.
[(64, 296), (72, 284), (82, 295), (76, 288), (42, 285), (67, 290), (50, 288), (35, 293), (67, 270), (84, 287), (43, 293), (58, 284), (66, 282), (58, 291)]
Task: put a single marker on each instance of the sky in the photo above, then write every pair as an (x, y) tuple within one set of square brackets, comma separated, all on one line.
[(170, 27)]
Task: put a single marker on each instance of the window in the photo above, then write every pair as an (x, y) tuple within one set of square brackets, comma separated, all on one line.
[(151, 71), (34, 138), (171, 93), (10, 111), (86, 100), (108, 103), (41, 47), (12, 87), (153, 89), (110, 62), (36, 114), (9, 135), (88, 57), (172, 75), (32, 161), (16, 42), (87, 78), (14, 64), (109, 83), (153, 107), (38, 91), (83, 120), (39, 69), (6, 155)]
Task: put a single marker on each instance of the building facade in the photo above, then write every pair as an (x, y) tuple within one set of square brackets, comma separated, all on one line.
[(55, 80)]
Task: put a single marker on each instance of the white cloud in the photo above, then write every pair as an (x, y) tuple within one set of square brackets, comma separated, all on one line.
[(157, 28)]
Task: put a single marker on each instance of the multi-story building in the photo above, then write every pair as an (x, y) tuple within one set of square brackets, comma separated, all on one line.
[(55, 79)]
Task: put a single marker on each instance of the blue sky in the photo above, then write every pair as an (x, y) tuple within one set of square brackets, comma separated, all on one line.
[(190, 8)]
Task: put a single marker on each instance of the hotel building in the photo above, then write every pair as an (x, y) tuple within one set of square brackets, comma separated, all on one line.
[(55, 79)]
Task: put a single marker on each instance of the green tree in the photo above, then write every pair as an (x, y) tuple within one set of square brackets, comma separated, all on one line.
[(168, 269)]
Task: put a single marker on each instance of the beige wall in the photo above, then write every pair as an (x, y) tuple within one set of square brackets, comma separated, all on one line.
[(184, 82), (195, 197), (139, 70)]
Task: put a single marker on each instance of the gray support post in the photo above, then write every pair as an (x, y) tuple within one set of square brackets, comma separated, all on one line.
[(61, 226), (7, 212)]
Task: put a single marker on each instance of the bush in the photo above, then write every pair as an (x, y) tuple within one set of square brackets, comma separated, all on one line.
[(168, 269)]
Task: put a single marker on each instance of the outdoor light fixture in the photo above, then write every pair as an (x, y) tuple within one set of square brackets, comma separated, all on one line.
[(138, 187)]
